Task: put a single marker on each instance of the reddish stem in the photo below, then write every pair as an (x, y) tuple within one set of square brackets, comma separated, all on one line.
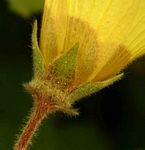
[(40, 111)]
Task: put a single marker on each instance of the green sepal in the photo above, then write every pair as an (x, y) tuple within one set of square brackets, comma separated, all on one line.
[(38, 60), (63, 68), (87, 89)]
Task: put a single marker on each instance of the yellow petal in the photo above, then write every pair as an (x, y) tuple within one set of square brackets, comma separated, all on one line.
[(61, 31), (53, 28), (122, 25), (110, 65)]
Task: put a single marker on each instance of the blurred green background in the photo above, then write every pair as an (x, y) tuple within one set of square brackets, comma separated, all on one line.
[(112, 119)]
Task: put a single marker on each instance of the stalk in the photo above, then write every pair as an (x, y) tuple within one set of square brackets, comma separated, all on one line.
[(40, 111)]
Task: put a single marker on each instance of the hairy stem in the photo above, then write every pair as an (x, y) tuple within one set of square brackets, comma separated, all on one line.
[(41, 109)]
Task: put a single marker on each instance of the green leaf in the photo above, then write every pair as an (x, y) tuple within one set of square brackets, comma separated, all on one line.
[(87, 89), (64, 67), (38, 60), (26, 8)]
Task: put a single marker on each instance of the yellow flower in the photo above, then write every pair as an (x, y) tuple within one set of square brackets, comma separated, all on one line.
[(84, 45), (110, 33)]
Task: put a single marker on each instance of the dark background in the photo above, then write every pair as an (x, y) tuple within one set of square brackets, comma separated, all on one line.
[(112, 119)]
